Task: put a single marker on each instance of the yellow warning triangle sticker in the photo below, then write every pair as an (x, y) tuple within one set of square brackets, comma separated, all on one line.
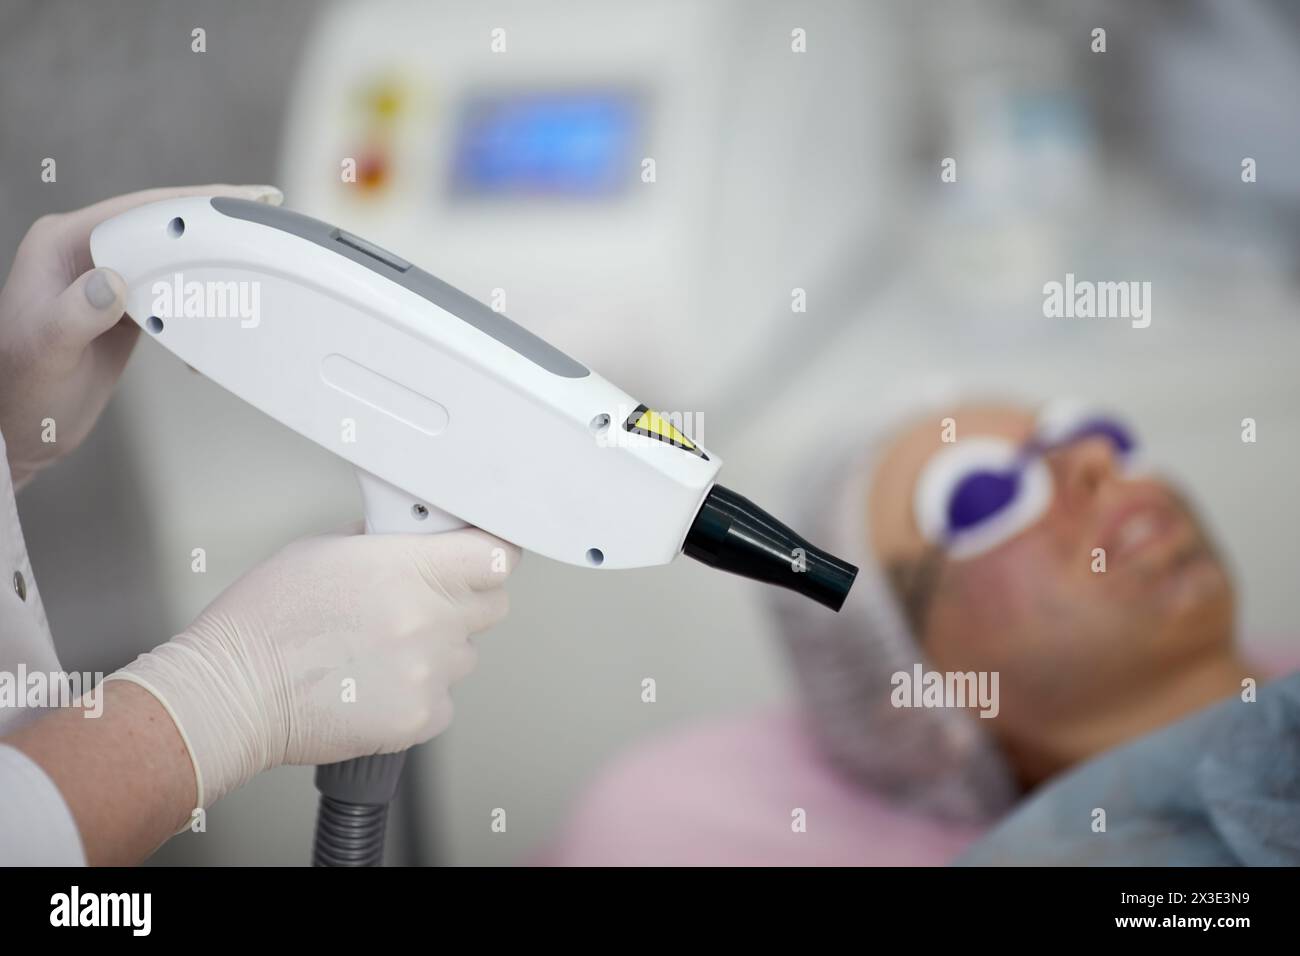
[(643, 421), (661, 428)]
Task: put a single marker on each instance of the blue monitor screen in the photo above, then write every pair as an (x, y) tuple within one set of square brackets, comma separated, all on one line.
[(569, 144)]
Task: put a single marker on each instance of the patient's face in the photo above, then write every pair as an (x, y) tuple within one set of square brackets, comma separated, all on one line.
[(1065, 639)]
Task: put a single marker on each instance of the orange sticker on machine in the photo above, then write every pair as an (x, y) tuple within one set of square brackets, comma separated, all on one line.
[(643, 421)]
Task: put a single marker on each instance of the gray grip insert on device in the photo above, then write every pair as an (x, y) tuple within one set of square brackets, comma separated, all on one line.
[(397, 270)]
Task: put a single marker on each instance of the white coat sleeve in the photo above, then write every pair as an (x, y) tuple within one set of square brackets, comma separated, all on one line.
[(36, 826)]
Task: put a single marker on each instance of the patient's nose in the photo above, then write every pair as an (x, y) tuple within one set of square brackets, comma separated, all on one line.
[(1083, 466)]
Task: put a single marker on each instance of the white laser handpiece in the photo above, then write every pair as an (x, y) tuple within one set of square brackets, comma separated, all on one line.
[(451, 413)]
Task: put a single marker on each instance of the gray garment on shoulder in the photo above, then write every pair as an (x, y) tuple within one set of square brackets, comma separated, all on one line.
[(1219, 788)]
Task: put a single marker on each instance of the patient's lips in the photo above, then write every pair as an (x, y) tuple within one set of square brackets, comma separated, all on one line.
[(1136, 531), (1137, 525)]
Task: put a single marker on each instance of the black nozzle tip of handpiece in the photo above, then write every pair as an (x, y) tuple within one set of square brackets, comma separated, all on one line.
[(734, 534)]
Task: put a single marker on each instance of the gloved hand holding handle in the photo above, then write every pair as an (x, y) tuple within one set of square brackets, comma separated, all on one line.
[(340, 646), (352, 819)]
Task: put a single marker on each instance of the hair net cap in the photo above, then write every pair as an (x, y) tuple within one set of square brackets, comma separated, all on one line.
[(939, 761)]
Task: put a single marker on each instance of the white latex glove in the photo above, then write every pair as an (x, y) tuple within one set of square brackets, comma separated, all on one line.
[(63, 341), (339, 646)]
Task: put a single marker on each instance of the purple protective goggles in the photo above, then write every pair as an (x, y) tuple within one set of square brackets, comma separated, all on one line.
[(982, 491)]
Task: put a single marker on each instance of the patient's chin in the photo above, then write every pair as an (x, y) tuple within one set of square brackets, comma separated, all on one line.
[(1196, 590)]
